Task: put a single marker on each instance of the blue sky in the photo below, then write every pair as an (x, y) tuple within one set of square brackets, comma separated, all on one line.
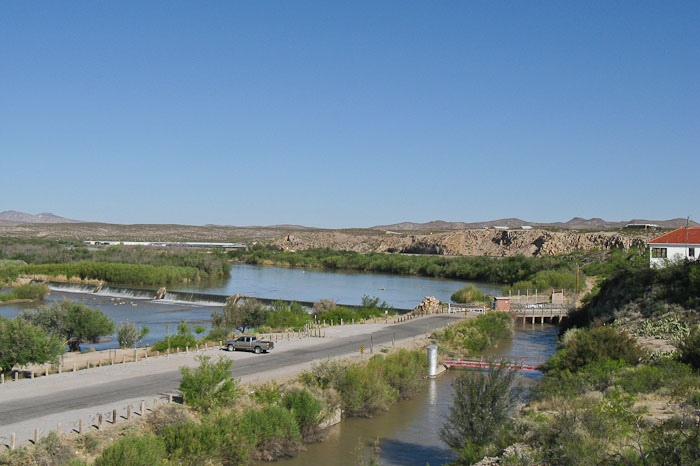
[(356, 114)]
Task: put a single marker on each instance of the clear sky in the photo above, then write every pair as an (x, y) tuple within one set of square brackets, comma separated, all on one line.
[(339, 114)]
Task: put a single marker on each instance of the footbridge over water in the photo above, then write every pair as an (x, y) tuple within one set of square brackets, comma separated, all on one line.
[(545, 312)]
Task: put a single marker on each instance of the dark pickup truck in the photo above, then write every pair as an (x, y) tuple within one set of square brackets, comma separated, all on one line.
[(249, 343)]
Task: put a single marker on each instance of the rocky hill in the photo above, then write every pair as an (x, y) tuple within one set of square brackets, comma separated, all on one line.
[(468, 242), (576, 223), (12, 216), (477, 242)]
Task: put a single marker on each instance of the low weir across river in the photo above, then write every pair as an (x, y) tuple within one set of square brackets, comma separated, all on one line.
[(183, 297)]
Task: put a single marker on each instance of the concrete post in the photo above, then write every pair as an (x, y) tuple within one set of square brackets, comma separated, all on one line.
[(432, 360), (128, 412), (15, 376), (2, 378), (170, 398), (13, 440), (371, 344), (36, 435), (187, 349), (143, 408), (99, 422), (59, 431), (80, 427), (32, 376), (114, 416)]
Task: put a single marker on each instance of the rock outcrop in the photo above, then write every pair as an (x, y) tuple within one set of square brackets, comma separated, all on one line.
[(490, 242)]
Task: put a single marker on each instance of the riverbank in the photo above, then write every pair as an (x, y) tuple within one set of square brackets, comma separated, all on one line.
[(517, 272)]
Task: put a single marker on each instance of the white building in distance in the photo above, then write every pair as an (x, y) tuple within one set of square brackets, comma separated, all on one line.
[(681, 243)]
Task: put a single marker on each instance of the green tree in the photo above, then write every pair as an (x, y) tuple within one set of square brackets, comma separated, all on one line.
[(241, 315), (74, 322), (128, 334), (481, 405), (22, 343), (210, 384)]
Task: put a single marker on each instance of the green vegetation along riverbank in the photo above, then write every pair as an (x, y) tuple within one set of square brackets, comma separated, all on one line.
[(518, 272), (606, 397), (471, 337), (129, 265), (27, 292), (222, 423)]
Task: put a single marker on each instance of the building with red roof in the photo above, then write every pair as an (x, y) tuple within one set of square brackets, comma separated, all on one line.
[(681, 243)]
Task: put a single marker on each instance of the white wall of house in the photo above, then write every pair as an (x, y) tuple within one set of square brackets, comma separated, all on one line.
[(674, 252)]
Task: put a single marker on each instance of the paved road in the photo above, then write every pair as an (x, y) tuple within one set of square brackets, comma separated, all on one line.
[(149, 386)]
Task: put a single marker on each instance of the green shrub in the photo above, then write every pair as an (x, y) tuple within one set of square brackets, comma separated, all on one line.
[(272, 430), (128, 335), (52, 451), (210, 384), (363, 392), (324, 375), (307, 410), (477, 334), (589, 345), (182, 340), (649, 378), (481, 406), (267, 394), (134, 450), (469, 294), (285, 316), (403, 370), (218, 334), (214, 438), (28, 291), (169, 415), (689, 348)]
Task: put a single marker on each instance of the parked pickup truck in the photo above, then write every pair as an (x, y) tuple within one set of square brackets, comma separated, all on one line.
[(249, 343)]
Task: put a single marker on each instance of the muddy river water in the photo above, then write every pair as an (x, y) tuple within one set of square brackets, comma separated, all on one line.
[(409, 433)]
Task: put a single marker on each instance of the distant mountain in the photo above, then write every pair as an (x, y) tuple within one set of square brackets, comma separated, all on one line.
[(12, 216), (576, 223)]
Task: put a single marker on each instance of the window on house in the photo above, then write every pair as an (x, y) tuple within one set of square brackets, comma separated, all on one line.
[(658, 253), (691, 252)]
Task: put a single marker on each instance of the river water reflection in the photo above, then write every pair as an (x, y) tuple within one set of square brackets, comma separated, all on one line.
[(399, 291), (409, 433)]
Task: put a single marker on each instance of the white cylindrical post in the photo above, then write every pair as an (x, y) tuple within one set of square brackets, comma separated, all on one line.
[(432, 360)]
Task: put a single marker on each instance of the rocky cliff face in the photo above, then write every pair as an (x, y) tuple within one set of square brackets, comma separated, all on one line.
[(465, 242)]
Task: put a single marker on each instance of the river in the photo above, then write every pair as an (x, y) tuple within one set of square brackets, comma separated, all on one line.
[(409, 433), (161, 317)]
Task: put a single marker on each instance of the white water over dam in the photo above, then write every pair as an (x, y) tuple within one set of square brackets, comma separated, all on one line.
[(121, 292)]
